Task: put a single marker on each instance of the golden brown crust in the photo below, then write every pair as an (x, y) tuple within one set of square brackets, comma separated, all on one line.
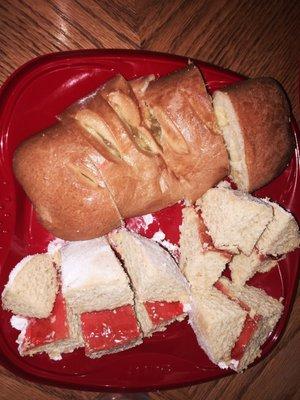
[(90, 170), (192, 145), (264, 117), (138, 181), (120, 95), (58, 170), (139, 87)]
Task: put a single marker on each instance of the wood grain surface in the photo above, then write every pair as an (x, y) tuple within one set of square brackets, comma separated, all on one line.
[(257, 37)]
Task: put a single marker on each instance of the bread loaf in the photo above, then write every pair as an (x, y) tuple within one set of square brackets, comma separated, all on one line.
[(101, 163), (132, 148)]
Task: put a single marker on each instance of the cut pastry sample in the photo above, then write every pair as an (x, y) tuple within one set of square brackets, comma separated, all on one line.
[(97, 288), (200, 262), (32, 287), (160, 289), (235, 220), (57, 334)]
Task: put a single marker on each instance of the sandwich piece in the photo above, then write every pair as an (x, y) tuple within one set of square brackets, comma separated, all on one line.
[(279, 238), (263, 313), (182, 120), (60, 172), (161, 292), (32, 287), (254, 118), (59, 333), (235, 220), (96, 287), (244, 267), (217, 323), (89, 271), (200, 262), (281, 235)]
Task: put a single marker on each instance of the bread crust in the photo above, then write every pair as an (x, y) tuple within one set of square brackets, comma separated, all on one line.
[(139, 183), (192, 145), (90, 171), (65, 187), (264, 117)]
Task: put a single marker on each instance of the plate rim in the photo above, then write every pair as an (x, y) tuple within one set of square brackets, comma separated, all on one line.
[(5, 90)]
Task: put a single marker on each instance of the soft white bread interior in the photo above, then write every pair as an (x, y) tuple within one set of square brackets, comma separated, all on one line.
[(260, 304), (148, 328), (281, 235), (32, 287), (253, 116), (92, 277), (217, 323), (235, 220), (243, 267), (233, 136), (153, 272), (201, 264)]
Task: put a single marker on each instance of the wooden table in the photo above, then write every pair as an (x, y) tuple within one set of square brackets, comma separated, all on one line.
[(258, 37)]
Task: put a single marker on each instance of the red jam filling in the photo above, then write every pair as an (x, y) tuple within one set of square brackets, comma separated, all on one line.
[(42, 331), (163, 311), (265, 257), (249, 329), (108, 329), (250, 324), (207, 240), (218, 285)]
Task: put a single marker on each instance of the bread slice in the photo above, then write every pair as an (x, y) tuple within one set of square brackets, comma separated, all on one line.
[(32, 287), (155, 277), (67, 188), (92, 277), (200, 262), (235, 220), (44, 335), (281, 235), (253, 116), (183, 123), (265, 309), (244, 267), (217, 323)]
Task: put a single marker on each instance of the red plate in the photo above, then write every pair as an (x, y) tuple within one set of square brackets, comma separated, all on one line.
[(29, 102)]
